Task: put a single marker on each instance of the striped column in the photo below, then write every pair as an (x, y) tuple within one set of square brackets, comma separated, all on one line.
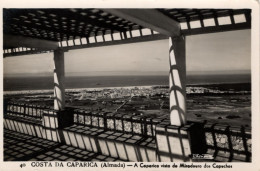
[(59, 91), (177, 80)]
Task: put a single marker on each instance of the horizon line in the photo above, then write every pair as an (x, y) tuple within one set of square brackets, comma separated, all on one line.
[(130, 73)]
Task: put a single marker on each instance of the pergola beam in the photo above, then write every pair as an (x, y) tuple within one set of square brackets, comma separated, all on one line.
[(22, 41), (47, 29), (98, 44), (149, 18), (216, 29)]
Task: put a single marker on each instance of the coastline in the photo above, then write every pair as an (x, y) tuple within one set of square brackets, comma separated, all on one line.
[(114, 87), (74, 89)]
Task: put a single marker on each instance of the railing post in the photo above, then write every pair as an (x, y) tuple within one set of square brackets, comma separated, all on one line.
[(5, 107)]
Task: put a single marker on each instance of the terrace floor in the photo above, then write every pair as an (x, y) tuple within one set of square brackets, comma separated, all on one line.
[(22, 147)]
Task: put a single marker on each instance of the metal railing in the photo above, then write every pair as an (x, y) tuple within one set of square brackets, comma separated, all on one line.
[(24, 110), (119, 122), (124, 123)]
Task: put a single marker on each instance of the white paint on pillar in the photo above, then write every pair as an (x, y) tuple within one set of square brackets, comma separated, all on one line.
[(59, 91), (177, 81)]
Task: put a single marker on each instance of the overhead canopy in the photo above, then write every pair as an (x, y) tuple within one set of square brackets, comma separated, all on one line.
[(83, 28)]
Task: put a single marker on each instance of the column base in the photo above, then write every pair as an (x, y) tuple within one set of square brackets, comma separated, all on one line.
[(179, 143), (58, 119)]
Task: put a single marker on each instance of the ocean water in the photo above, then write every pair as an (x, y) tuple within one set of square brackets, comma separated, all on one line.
[(46, 82)]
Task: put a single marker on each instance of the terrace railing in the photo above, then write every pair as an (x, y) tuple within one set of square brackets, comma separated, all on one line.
[(225, 143), (119, 122), (24, 110), (125, 123)]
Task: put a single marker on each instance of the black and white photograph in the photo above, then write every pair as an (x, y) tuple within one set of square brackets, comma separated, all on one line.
[(87, 85)]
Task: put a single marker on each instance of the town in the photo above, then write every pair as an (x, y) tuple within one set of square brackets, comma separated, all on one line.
[(203, 102)]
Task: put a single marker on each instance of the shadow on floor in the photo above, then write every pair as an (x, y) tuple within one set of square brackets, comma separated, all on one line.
[(22, 147)]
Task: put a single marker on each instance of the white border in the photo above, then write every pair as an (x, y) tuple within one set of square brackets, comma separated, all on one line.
[(253, 4)]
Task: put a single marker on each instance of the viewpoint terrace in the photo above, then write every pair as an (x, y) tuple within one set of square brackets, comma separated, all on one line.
[(53, 30)]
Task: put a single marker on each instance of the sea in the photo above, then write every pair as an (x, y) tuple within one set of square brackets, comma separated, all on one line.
[(74, 82)]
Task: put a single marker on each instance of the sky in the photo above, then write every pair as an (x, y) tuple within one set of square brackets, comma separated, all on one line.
[(205, 53)]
